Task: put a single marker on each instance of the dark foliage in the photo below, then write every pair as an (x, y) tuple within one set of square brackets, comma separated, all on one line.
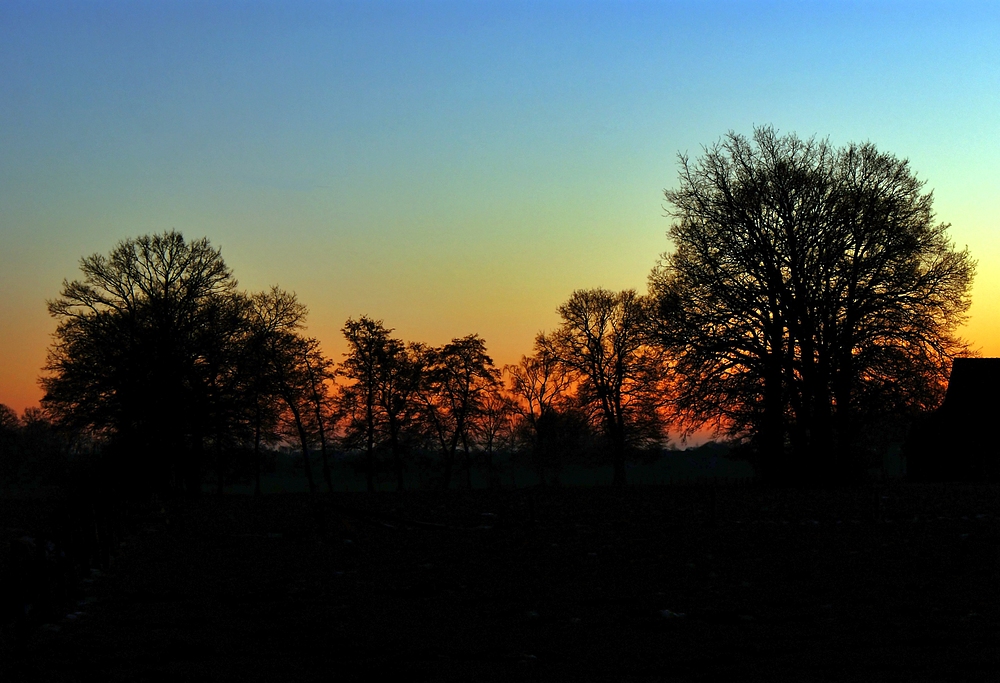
[(811, 302)]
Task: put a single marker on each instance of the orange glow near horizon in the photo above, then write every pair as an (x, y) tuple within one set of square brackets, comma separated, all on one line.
[(451, 168)]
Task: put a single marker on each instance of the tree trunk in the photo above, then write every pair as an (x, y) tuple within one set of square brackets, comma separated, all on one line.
[(220, 480), (468, 463), (772, 437), (449, 462), (317, 408), (256, 452), (489, 464), (615, 426), (370, 448), (305, 446), (322, 450), (397, 459), (192, 474), (618, 458)]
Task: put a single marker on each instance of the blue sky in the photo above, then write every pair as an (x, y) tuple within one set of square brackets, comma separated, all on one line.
[(451, 167)]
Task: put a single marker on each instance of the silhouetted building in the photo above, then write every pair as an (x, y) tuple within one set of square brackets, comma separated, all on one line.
[(957, 442)]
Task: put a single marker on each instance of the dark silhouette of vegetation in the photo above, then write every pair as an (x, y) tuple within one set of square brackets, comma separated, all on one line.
[(551, 425), (493, 430), (33, 451), (10, 451), (381, 407), (604, 345), (460, 376), (364, 364), (273, 316), (811, 302), (131, 356), (398, 398), (808, 312), (172, 371)]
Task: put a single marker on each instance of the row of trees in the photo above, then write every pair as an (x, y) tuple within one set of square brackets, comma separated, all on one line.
[(161, 360), (808, 311), (596, 377)]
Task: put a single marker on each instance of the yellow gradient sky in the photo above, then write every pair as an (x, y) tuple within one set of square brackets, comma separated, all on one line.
[(451, 167)]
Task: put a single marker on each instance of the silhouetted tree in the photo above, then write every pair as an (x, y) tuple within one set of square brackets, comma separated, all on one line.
[(810, 294), (10, 456), (301, 373), (44, 449), (225, 390), (459, 376), (129, 357), (492, 428), (603, 341), (318, 373), (364, 364), (400, 376), (273, 316), (541, 389)]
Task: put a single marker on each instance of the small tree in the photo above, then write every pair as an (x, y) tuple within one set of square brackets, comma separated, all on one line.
[(401, 374), (317, 374), (493, 428), (541, 390), (459, 376), (300, 374), (604, 343), (272, 316), (368, 343)]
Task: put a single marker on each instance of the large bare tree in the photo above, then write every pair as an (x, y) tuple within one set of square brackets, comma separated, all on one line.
[(811, 295), (134, 356)]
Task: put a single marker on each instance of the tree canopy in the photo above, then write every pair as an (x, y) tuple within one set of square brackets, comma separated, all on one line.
[(160, 357), (808, 309), (604, 344), (132, 353), (811, 298)]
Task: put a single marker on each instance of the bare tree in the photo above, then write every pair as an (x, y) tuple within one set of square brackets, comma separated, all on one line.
[(492, 428), (459, 376), (318, 372), (368, 341), (300, 378), (810, 294), (603, 341), (273, 315), (129, 360), (400, 375), (541, 388)]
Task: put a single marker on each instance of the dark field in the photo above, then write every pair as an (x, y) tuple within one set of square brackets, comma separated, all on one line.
[(659, 583)]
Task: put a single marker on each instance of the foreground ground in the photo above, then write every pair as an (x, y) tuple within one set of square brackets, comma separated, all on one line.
[(662, 583)]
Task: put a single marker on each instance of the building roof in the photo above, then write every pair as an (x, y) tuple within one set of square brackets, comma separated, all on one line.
[(974, 384)]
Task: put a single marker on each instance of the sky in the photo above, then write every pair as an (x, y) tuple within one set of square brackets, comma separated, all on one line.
[(451, 167)]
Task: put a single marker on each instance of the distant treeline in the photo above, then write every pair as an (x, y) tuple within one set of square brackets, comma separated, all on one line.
[(806, 312)]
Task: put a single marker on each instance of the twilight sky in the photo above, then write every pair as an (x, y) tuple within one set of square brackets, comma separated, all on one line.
[(451, 167)]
